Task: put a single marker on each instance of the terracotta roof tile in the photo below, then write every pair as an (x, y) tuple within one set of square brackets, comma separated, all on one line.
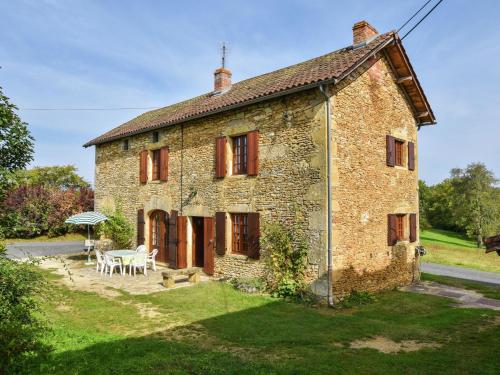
[(327, 67)]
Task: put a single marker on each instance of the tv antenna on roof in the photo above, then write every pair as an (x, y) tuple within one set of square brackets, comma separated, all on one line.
[(224, 50)]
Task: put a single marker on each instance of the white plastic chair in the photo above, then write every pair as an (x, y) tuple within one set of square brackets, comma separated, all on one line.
[(110, 262), (141, 249), (100, 261), (151, 258), (139, 261)]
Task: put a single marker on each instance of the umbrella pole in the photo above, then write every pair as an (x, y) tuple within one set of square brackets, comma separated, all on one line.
[(88, 247)]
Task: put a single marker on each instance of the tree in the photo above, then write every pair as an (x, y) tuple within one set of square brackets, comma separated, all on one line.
[(16, 143), (476, 209), (57, 176)]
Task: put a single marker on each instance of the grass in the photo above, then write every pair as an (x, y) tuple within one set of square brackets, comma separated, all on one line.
[(45, 238), (454, 249), (490, 291), (212, 328)]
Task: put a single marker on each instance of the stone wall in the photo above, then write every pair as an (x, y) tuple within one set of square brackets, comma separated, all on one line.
[(365, 190), (290, 180)]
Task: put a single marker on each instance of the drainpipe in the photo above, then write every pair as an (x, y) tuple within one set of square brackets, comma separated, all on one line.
[(324, 91)]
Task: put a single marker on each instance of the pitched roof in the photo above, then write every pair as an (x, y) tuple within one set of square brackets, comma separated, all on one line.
[(327, 68)]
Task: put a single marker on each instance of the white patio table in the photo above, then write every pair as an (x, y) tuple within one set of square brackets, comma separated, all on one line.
[(125, 255)]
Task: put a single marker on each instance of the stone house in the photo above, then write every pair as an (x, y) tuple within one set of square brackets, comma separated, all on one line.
[(332, 141)]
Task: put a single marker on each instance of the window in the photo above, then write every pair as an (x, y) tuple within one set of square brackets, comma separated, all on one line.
[(240, 154), (125, 145), (155, 230), (240, 233), (400, 227), (155, 137), (399, 146), (155, 157)]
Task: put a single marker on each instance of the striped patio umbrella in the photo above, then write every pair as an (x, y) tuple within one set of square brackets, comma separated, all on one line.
[(87, 218)]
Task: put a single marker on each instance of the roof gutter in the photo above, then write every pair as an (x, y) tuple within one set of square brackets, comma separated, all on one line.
[(324, 91)]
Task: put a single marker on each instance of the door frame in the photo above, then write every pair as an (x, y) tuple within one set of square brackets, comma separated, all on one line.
[(162, 246)]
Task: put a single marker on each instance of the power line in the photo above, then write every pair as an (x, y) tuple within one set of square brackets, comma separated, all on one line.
[(87, 109), (414, 15), (423, 18)]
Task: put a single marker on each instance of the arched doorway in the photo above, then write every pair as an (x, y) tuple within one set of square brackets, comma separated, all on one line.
[(158, 234)]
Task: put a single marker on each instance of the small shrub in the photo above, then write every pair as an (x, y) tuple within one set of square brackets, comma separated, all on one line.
[(248, 285), (117, 228), (357, 298), (22, 331), (285, 254)]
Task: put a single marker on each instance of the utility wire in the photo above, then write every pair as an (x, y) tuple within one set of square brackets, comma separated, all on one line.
[(87, 109), (414, 15), (423, 18)]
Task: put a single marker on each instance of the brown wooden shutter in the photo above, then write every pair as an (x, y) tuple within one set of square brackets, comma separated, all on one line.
[(143, 166), (391, 150), (392, 235), (220, 157), (220, 232), (182, 242), (172, 239), (140, 227), (411, 156), (208, 244), (253, 235), (164, 163), (413, 227), (253, 153)]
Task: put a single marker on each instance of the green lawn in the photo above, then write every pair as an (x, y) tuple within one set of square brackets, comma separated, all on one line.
[(66, 237), (213, 329), (454, 249)]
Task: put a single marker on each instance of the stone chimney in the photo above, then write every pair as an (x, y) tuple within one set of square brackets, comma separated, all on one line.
[(222, 79), (362, 31)]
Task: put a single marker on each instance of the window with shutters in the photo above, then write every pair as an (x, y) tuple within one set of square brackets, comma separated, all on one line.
[(240, 152), (239, 224), (155, 159), (399, 152), (400, 227)]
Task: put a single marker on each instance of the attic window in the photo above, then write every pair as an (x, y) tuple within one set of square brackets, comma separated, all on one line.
[(126, 145), (155, 137)]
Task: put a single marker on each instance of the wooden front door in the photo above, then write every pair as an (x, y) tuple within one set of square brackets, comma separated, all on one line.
[(208, 245), (158, 234)]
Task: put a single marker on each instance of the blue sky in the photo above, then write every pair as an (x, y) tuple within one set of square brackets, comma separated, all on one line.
[(154, 53)]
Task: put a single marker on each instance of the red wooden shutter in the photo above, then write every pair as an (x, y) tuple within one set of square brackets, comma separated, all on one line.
[(143, 166), (182, 242), (392, 233), (411, 156), (253, 235), (164, 163), (208, 244), (391, 150), (253, 153), (220, 157), (172, 239), (220, 235), (140, 227), (413, 227)]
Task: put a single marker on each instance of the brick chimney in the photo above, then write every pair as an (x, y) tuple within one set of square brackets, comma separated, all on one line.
[(222, 79), (362, 31)]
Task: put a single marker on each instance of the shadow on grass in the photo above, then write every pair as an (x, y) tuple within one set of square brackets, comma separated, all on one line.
[(284, 338)]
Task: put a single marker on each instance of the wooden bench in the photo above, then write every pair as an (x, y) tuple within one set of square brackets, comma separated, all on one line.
[(193, 274)]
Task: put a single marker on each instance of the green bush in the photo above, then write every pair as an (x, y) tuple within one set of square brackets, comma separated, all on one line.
[(285, 253), (22, 331), (357, 298), (116, 228)]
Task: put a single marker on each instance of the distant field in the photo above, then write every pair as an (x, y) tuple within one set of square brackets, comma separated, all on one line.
[(66, 237), (454, 249)]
